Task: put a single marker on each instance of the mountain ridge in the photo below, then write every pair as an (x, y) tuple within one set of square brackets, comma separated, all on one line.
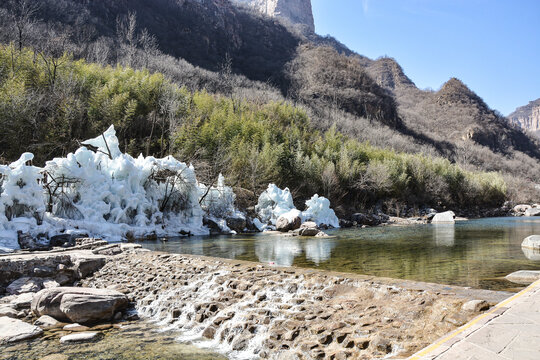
[(527, 117)]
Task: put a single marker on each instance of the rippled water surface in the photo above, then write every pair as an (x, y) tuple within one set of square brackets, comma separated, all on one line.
[(475, 253)]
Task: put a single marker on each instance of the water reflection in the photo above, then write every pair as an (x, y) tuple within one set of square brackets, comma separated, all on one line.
[(444, 234), (319, 249), (283, 251), (278, 250), (477, 253)]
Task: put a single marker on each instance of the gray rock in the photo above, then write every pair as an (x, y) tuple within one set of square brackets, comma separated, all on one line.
[(75, 327), (521, 208), (111, 249), (63, 240), (212, 225), (48, 322), (532, 212), (80, 337), (81, 305), (88, 264), (24, 285), (28, 242), (8, 311), (531, 242), (475, 305), (531, 254), (285, 224), (236, 223), (50, 283), (22, 301), (13, 330), (444, 218), (309, 231), (524, 277)]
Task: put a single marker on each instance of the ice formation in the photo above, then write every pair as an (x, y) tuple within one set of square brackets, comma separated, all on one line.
[(318, 210), (218, 203), (106, 193), (275, 202)]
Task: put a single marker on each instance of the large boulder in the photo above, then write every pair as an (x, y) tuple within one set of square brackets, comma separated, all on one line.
[(80, 305), (12, 330), (444, 218), (289, 221)]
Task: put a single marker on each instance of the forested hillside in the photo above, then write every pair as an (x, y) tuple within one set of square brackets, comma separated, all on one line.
[(252, 143), (235, 57)]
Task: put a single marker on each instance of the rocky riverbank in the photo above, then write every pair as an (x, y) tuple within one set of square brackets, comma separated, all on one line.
[(252, 310)]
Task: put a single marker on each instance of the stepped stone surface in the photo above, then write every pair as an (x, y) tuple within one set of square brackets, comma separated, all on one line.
[(260, 310)]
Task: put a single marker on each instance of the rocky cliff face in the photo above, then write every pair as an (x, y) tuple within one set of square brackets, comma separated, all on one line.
[(527, 117), (295, 11)]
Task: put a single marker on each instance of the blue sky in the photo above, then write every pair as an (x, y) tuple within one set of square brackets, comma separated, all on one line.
[(493, 46)]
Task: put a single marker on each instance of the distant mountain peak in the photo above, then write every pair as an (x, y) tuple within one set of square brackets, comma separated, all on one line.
[(389, 74), (454, 91), (298, 12)]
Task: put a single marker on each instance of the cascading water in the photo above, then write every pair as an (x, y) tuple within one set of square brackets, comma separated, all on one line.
[(238, 317)]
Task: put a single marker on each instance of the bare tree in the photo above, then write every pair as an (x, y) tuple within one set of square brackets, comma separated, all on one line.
[(126, 33), (149, 45), (22, 15)]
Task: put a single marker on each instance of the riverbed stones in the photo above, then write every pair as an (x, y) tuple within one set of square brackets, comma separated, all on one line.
[(79, 337), (524, 277), (447, 217), (81, 305), (13, 330)]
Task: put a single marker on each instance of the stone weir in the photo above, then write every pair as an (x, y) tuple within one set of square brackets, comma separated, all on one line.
[(250, 310)]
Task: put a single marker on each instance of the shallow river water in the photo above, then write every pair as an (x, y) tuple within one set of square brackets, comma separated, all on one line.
[(475, 253)]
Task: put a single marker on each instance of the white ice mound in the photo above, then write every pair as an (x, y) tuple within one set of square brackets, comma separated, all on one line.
[(318, 210), (21, 192), (275, 202), (104, 193)]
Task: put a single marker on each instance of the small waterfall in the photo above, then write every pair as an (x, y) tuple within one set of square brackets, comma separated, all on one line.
[(219, 310)]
